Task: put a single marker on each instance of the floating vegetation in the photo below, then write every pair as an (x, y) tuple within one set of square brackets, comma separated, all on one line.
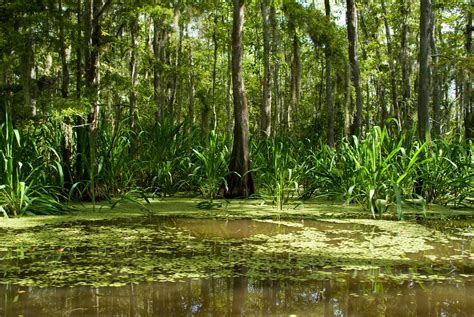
[(146, 249)]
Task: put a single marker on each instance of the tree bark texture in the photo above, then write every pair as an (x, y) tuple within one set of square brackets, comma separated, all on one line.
[(192, 88), (406, 67), (29, 74), (133, 69), (295, 80), (329, 99), (158, 44), (354, 61), (468, 98), (215, 44), (240, 182), (276, 69), (63, 53), (266, 107), (436, 82), (229, 93), (424, 72), (393, 81), (78, 52)]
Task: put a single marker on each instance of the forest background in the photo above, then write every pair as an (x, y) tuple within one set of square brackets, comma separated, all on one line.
[(279, 99)]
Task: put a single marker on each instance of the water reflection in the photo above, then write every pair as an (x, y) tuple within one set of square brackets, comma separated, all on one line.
[(241, 296), (234, 229), (261, 281)]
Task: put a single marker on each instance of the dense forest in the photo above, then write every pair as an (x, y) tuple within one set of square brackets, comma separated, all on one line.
[(359, 101)]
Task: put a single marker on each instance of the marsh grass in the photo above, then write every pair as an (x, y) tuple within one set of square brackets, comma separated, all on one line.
[(384, 170), (210, 166), (279, 168), (30, 172)]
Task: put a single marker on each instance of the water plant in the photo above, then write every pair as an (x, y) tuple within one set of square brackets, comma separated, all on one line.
[(377, 171), (211, 166), (24, 187), (279, 168)]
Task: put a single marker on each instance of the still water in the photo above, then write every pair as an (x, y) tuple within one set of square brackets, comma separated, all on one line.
[(241, 268)]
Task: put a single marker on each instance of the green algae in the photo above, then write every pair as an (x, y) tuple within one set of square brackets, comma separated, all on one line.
[(235, 209), (156, 249), (114, 247)]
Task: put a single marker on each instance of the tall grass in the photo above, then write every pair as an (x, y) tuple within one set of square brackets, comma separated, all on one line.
[(211, 165), (30, 171), (381, 170), (448, 175), (279, 167)]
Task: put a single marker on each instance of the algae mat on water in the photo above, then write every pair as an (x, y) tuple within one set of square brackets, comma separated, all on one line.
[(106, 249)]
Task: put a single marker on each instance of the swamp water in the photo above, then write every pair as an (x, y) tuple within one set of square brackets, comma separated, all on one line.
[(157, 266)]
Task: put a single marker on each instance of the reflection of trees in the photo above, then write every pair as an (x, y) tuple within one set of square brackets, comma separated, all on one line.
[(240, 287), (240, 296)]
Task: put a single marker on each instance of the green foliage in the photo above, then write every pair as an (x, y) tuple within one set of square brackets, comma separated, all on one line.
[(26, 182), (163, 163), (279, 168), (447, 174), (211, 166), (381, 170)]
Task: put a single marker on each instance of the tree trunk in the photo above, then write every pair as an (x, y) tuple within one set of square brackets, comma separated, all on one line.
[(424, 73), (295, 80), (468, 96), (180, 78), (436, 82), (266, 108), (158, 43), (383, 107), (364, 46), (391, 58), (329, 100), (214, 71), (79, 121), (405, 62), (87, 136), (174, 81), (29, 74), (353, 59), (192, 88), (240, 182), (348, 108), (133, 68), (78, 52), (276, 68), (229, 93), (63, 53)]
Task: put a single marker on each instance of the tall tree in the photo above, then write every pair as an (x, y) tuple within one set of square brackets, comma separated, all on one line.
[(133, 69), (215, 45), (351, 20), (291, 115), (276, 67), (63, 52), (192, 87), (391, 63), (424, 72), (266, 107), (406, 65), (329, 99), (29, 73), (160, 36), (435, 80), (240, 182), (468, 96)]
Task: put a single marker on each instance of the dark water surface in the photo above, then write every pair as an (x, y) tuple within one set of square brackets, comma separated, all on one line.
[(243, 297), (240, 268)]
